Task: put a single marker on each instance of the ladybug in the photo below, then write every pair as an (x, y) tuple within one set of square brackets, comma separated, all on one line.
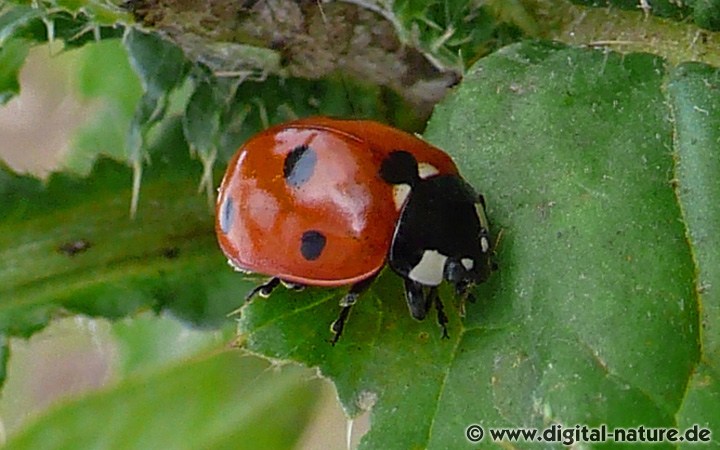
[(328, 202)]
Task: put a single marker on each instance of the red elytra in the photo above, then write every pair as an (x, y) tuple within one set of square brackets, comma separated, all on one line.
[(304, 201)]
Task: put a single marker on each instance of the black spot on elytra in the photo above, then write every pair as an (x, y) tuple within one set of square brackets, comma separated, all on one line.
[(299, 165), (227, 214), (400, 167), (312, 244)]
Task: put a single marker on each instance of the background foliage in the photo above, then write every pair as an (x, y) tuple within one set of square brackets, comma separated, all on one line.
[(597, 155)]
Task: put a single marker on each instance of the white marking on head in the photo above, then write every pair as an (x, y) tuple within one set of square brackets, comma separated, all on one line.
[(467, 263), (427, 170), (400, 194), (429, 271), (484, 244)]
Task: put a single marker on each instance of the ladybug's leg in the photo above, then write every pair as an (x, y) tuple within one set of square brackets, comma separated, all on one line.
[(339, 324), (347, 302), (417, 301), (356, 290), (264, 290), (441, 317)]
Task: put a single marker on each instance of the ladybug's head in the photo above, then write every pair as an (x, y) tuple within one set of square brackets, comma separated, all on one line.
[(442, 232)]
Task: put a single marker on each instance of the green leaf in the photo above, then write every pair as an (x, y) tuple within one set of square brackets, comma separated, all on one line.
[(161, 67), (104, 76), (14, 19), (12, 57), (41, 23), (104, 72), (593, 316), (696, 109), (223, 400), (706, 13), (102, 12), (159, 64), (455, 32), (201, 124), (149, 342), (71, 245)]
